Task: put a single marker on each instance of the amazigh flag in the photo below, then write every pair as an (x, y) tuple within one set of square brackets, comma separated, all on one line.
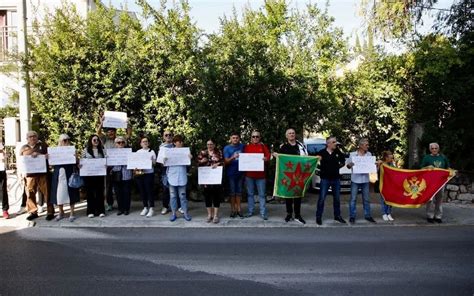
[(293, 174), (411, 188)]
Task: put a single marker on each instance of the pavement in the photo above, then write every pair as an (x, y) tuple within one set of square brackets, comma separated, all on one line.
[(454, 214)]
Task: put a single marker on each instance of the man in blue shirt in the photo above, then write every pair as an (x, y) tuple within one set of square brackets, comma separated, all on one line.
[(235, 178)]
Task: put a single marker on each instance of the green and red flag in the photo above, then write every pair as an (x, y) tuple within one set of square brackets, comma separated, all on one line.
[(293, 174), (411, 188)]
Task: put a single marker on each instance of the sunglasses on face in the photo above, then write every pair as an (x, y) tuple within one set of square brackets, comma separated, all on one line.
[(95, 140), (120, 142), (255, 136), (168, 135)]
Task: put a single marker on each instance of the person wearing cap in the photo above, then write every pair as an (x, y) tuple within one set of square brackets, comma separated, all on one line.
[(61, 192), (121, 181), (36, 182)]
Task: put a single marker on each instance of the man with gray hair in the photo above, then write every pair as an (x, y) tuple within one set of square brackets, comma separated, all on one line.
[(434, 210), (359, 181)]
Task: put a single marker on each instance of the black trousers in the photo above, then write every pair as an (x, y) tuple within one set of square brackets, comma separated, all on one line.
[(212, 196), (95, 194), (3, 180), (289, 206)]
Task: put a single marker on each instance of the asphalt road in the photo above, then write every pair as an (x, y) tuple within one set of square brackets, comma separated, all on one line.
[(238, 261)]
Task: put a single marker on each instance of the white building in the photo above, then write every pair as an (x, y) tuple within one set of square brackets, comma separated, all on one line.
[(10, 24)]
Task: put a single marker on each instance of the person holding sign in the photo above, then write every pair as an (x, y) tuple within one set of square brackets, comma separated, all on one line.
[(211, 157), (3, 179), (121, 181), (178, 179), (145, 180), (235, 178), (359, 181), (61, 193), (256, 179), (434, 209), (94, 184), (37, 182), (293, 147)]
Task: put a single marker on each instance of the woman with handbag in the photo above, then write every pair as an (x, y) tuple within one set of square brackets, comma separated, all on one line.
[(61, 192), (145, 178), (121, 181), (94, 184)]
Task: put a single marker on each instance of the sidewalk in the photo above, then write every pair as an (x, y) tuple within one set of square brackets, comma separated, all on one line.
[(454, 214)]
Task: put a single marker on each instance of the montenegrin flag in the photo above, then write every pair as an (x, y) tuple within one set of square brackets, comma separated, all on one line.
[(293, 174), (411, 188)]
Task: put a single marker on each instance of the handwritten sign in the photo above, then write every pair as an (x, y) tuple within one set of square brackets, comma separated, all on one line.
[(141, 161), (62, 155), (115, 119), (117, 156), (93, 167), (210, 176), (252, 162), (33, 165), (363, 164), (177, 156)]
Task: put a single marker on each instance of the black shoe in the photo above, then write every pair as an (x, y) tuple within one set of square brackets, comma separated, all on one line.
[(239, 214), (119, 213), (126, 213), (438, 220), (339, 219), (370, 219), (319, 221), (300, 219), (352, 220), (49, 217), (232, 215), (430, 220), (288, 218), (32, 216)]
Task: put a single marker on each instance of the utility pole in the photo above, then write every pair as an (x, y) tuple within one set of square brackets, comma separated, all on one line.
[(24, 77)]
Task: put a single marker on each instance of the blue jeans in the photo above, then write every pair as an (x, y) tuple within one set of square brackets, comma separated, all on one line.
[(260, 183), (335, 184), (174, 192), (365, 198), (386, 209), (235, 184)]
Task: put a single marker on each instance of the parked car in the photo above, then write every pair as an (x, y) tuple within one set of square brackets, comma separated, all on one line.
[(314, 145)]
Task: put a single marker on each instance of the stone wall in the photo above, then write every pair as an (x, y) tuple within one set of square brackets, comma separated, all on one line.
[(460, 189)]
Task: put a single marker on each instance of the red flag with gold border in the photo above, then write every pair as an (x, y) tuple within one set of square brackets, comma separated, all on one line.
[(411, 188)]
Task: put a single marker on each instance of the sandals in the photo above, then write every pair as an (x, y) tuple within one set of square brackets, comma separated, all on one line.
[(209, 219), (215, 220)]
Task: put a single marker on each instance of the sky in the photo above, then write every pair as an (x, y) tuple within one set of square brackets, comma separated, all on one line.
[(206, 13)]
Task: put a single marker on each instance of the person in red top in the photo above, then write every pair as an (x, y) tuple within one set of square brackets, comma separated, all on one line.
[(256, 179)]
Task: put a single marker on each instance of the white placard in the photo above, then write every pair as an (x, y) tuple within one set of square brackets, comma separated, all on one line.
[(12, 132), (61, 155), (177, 156), (115, 119), (363, 164), (139, 160), (161, 154), (251, 162), (33, 165), (117, 156), (209, 176), (93, 167)]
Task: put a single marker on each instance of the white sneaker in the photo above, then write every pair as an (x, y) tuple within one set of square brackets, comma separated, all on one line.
[(181, 210), (40, 209), (102, 215), (390, 218), (150, 213), (144, 212), (385, 217), (164, 211), (90, 215), (21, 211)]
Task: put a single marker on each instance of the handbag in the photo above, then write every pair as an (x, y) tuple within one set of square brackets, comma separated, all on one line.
[(75, 181)]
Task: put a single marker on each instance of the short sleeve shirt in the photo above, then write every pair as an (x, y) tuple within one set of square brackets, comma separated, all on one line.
[(232, 169)]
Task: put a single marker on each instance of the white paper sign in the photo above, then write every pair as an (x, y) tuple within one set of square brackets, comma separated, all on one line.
[(12, 132), (33, 165), (117, 156), (363, 164), (141, 161), (93, 167), (115, 119), (62, 155), (252, 162), (209, 176), (161, 154), (177, 156)]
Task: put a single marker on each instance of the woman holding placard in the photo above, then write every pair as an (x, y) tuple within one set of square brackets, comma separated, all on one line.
[(145, 180), (211, 156), (61, 192), (94, 184)]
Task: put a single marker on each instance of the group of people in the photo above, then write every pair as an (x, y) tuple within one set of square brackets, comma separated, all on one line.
[(57, 190)]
